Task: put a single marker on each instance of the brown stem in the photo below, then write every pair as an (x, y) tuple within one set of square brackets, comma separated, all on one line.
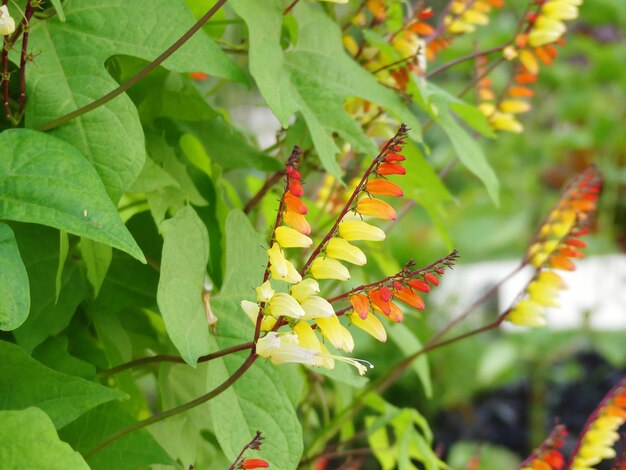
[(397, 62), (137, 78), (254, 443), (28, 13), (269, 183), (401, 131), (464, 58), (174, 411), (171, 358), (7, 44), (290, 7)]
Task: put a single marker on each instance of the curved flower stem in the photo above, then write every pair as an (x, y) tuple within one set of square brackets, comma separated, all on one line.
[(179, 409), (482, 299), (386, 380), (271, 181), (464, 58), (171, 358), (401, 131), (403, 273), (137, 78)]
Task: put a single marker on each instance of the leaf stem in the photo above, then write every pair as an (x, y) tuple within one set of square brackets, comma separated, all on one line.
[(28, 13), (174, 411), (171, 358), (137, 78)]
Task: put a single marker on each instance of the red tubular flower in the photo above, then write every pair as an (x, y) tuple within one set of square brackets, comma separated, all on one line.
[(430, 277), (295, 188), (248, 464), (380, 298), (390, 169), (419, 285)]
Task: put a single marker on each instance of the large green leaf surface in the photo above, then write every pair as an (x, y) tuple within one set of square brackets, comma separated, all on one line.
[(25, 382), (135, 450), (183, 268), (47, 181), (29, 440), (259, 400), (70, 73), (14, 290), (313, 78), (48, 315)]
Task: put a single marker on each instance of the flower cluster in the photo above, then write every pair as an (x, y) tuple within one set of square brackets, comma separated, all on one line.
[(548, 456), (555, 245), (465, 15), (600, 433), (532, 48), (299, 305)]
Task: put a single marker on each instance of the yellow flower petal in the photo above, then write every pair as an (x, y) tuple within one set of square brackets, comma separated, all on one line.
[(336, 333), (353, 230), (284, 305), (305, 289), (290, 238), (371, 325), (328, 268), (339, 248)]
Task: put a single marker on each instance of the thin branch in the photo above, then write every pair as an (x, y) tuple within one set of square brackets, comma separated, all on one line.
[(269, 183), (137, 78), (290, 7), (255, 443), (24, 58), (464, 58), (174, 411), (171, 358)]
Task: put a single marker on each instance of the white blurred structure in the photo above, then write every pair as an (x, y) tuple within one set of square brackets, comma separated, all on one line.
[(597, 288)]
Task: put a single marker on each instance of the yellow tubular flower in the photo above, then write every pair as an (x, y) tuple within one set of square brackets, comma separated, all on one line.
[(328, 268), (371, 325), (527, 313), (305, 289), (307, 337), (283, 348), (354, 230), (251, 310), (505, 122), (543, 294), (317, 307), (560, 10), (336, 333), (514, 106), (339, 248), (284, 304), (290, 238), (277, 261), (264, 292), (528, 59), (7, 23), (292, 276)]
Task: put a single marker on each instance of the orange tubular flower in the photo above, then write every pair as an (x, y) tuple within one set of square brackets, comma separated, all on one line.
[(407, 296), (375, 208), (361, 305), (381, 187), (293, 203), (548, 456), (381, 298)]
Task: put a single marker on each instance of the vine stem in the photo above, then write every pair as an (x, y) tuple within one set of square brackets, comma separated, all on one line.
[(465, 58), (6, 45), (401, 131), (271, 181), (28, 13), (179, 409), (171, 358), (137, 78)]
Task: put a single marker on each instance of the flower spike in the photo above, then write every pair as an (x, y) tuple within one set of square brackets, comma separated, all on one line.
[(548, 455), (555, 246)]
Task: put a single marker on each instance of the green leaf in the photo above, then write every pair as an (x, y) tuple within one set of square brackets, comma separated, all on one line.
[(314, 78), (135, 450), (183, 268), (244, 408), (68, 193), (67, 77), (467, 149), (53, 353), (14, 287), (64, 247), (473, 117), (29, 439), (25, 382), (58, 7), (48, 315), (408, 344), (97, 258)]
